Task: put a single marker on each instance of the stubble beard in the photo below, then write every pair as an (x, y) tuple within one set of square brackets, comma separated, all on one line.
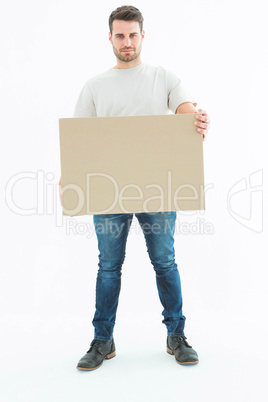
[(127, 57)]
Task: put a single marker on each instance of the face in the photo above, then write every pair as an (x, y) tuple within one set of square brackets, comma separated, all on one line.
[(126, 39)]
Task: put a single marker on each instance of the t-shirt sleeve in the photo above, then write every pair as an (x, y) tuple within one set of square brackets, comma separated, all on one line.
[(177, 93), (85, 106)]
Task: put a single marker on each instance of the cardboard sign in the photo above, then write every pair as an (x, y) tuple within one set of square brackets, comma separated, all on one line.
[(131, 164)]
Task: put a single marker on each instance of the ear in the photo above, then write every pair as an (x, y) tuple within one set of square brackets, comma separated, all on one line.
[(142, 34), (110, 37)]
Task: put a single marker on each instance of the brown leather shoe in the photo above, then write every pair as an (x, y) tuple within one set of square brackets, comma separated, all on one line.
[(184, 353), (97, 353)]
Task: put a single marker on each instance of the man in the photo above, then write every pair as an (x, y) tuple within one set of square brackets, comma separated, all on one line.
[(132, 87)]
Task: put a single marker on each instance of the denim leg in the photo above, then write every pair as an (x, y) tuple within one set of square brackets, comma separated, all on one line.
[(112, 231), (158, 229)]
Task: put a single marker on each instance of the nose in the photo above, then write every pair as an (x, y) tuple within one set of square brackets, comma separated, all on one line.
[(127, 42)]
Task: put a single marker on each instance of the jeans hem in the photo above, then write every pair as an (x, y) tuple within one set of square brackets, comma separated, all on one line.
[(175, 334)]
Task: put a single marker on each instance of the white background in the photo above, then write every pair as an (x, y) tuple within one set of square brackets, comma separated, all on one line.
[(219, 50)]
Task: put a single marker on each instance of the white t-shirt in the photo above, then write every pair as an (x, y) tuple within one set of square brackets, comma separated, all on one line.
[(141, 90)]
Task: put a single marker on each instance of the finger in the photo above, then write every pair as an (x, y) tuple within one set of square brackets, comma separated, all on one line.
[(202, 111), (201, 131), (202, 118), (202, 125)]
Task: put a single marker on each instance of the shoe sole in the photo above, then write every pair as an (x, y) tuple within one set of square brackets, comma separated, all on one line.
[(172, 353), (109, 356)]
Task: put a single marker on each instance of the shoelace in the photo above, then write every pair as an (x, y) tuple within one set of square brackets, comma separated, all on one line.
[(182, 339), (96, 344)]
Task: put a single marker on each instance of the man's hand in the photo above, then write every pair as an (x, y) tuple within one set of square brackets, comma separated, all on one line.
[(202, 122)]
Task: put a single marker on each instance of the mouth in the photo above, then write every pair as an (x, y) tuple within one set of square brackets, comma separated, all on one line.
[(127, 51)]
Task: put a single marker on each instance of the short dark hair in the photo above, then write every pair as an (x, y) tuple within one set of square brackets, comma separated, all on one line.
[(126, 13)]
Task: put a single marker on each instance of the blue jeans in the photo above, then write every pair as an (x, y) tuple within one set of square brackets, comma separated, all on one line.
[(112, 232)]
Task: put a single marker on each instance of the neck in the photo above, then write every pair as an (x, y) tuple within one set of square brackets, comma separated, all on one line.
[(122, 64)]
